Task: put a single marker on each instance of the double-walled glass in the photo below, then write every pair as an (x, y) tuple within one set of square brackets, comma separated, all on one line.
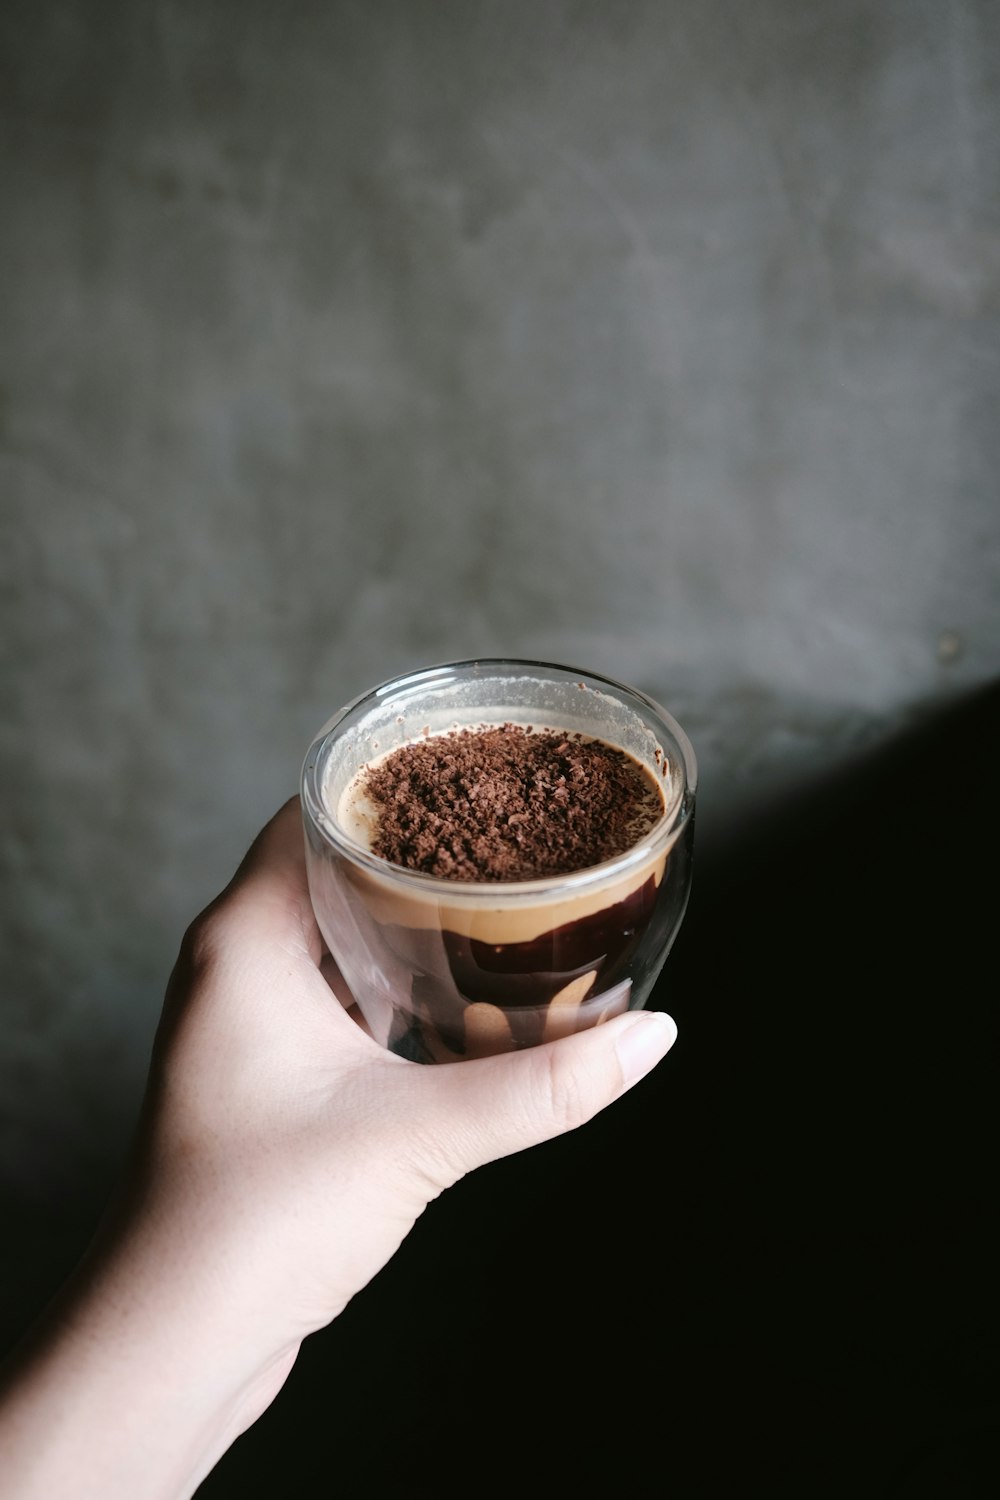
[(444, 970)]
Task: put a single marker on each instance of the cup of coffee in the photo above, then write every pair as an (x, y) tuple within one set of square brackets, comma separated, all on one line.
[(499, 853)]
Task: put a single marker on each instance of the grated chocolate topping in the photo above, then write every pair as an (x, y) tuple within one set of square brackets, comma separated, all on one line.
[(505, 802)]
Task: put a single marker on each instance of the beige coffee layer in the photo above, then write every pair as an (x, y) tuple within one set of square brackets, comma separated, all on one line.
[(520, 919)]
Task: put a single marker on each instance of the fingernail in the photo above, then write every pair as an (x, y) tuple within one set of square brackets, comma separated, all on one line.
[(641, 1045)]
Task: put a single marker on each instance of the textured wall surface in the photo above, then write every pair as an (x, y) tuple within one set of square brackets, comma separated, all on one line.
[(343, 338)]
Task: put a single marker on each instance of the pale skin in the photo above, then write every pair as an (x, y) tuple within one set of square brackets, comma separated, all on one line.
[(281, 1158)]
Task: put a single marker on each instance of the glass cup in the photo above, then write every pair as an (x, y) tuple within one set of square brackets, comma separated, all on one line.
[(444, 970)]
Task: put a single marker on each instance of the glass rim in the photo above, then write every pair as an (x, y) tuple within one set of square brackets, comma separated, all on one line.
[(656, 843)]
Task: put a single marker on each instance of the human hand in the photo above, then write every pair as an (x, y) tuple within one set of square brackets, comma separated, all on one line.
[(282, 1157)]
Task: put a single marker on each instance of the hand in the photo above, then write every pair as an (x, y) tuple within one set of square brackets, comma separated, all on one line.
[(282, 1156)]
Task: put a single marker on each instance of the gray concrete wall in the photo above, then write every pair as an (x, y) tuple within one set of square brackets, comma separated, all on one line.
[(343, 338)]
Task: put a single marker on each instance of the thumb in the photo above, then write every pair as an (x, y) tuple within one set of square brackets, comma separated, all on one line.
[(495, 1106)]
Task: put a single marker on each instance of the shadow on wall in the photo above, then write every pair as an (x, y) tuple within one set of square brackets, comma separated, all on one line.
[(938, 750), (781, 1247)]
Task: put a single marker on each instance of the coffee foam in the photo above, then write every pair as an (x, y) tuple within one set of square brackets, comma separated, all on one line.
[(488, 912), (358, 815)]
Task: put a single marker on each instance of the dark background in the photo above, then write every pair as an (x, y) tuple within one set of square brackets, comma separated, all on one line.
[(769, 1269), (341, 339)]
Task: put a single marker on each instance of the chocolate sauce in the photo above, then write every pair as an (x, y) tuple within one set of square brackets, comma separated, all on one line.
[(512, 974), (451, 971)]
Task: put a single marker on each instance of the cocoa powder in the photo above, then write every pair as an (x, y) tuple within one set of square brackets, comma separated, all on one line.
[(508, 802)]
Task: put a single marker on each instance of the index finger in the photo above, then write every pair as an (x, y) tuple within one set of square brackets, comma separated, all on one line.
[(270, 889)]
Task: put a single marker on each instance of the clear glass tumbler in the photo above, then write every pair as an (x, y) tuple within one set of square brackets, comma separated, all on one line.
[(444, 970)]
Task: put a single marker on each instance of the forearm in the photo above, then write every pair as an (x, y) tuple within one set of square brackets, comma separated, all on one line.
[(136, 1381)]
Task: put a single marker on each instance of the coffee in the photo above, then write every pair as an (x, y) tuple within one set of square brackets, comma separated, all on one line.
[(497, 804), (499, 852)]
